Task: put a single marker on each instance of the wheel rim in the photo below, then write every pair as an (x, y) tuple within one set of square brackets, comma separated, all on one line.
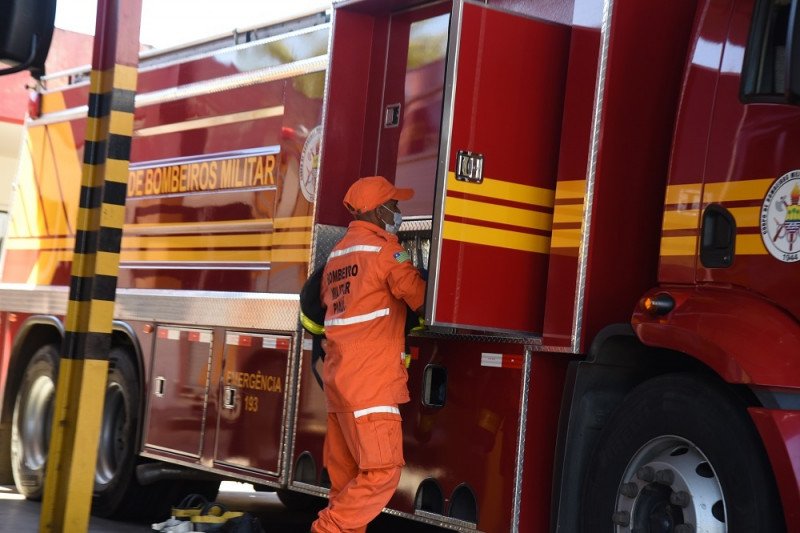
[(669, 486), (112, 444), (36, 421)]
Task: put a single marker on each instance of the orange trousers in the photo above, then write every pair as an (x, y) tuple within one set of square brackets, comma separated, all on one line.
[(364, 457)]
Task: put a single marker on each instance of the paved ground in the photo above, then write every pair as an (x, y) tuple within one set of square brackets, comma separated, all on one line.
[(18, 515)]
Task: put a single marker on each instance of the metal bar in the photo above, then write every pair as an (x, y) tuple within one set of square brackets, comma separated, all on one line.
[(591, 175), (83, 369)]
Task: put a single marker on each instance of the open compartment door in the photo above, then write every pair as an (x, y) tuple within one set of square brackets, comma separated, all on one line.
[(493, 204)]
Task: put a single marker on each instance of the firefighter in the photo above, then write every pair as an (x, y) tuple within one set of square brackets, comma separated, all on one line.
[(367, 283)]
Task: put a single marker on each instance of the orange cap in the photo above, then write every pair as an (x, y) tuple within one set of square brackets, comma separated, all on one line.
[(367, 194)]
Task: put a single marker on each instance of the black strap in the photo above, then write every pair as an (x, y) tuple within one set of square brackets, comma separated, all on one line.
[(317, 354)]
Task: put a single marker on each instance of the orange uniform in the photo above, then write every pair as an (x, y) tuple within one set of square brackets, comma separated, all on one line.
[(367, 282), (366, 285)]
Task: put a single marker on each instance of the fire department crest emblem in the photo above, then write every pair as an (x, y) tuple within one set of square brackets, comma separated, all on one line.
[(780, 218), (309, 163)]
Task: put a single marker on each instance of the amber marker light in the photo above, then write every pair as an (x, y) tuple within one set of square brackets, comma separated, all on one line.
[(148, 328), (660, 304)]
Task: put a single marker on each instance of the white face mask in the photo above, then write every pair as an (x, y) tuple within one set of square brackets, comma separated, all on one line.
[(397, 219)]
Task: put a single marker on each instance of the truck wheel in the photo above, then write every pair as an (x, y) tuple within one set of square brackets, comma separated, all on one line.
[(116, 450), (680, 455), (32, 421)]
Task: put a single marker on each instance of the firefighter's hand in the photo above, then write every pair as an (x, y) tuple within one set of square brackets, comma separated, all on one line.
[(324, 344)]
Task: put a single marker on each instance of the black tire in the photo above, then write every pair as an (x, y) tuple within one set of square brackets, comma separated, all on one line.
[(680, 451), (33, 418), (32, 422), (116, 449)]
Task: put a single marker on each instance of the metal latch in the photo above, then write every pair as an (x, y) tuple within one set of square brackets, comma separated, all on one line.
[(391, 118), (229, 398), (469, 166), (159, 385)]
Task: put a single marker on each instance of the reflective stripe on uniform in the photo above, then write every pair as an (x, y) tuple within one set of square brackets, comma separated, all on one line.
[(357, 319), (376, 409), (357, 248)]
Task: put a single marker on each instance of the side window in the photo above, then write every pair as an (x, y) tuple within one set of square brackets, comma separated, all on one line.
[(769, 64)]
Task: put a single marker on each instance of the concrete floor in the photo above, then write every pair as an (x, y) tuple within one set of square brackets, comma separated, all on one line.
[(18, 515), (21, 516)]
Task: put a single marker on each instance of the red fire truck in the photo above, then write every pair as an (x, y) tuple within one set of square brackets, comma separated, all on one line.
[(608, 206)]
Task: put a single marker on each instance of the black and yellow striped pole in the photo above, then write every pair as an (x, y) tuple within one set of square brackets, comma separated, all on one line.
[(84, 356)]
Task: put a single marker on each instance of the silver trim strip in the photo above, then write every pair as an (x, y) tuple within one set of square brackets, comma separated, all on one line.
[(228, 49), (442, 521), (72, 113), (235, 81), (265, 311), (448, 111), (226, 83), (183, 228), (520, 449), (236, 472), (206, 122), (591, 174), (148, 55)]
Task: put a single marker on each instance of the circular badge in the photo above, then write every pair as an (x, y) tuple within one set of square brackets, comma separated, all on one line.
[(780, 218), (309, 163)]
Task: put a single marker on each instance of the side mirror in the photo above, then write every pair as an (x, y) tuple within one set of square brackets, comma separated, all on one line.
[(26, 29)]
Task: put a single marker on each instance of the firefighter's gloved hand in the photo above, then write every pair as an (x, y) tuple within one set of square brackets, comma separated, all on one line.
[(423, 272)]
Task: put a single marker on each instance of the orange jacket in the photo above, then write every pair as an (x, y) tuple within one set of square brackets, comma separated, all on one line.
[(366, 284)]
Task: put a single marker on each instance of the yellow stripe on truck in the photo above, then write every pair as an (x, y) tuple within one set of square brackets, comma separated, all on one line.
[(503, 190), (514, 240)]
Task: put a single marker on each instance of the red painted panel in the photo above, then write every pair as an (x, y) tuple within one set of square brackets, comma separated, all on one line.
[(256, 97), (483, 283), (223, 138), (311, 415), (481, 414), (717, 326), (690, 145), (546, 390), (415, 68), (255, 386), (638, 111), (350, 138), (573, 160), (175, 414), (497, 289), (751, 148), (244, 59), (248, 173)]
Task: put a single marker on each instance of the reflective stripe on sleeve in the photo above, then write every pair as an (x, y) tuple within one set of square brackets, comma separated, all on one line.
[(357, 248), (376, 409), (357, 319)]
